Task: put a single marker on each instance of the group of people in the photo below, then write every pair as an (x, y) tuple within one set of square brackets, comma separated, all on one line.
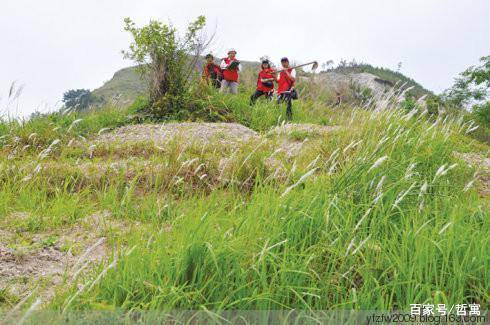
[(225, 77)]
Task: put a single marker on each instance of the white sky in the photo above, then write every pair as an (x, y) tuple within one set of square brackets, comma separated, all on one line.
[(54, 45)]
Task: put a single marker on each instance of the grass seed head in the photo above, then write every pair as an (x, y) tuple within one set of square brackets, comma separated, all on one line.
[(378, 163)]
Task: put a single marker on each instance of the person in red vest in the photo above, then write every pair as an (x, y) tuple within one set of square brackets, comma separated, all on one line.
[(211, 72), (285, 87), (230, 67), (265, 82)]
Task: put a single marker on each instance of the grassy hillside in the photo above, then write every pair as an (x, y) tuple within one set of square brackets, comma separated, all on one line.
[(126, 85), (349, 209)]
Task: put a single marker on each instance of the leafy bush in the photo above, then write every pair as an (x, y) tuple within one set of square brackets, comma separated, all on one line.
[(408, 104), (433, 103)]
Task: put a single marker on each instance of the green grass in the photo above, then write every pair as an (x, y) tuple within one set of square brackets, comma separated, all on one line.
[(40, 132), (374, 216)]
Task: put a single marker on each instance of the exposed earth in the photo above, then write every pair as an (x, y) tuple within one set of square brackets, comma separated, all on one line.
[(482, 165), (42, 260)]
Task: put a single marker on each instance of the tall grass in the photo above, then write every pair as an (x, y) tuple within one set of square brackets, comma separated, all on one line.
[(375, 216), (326, 244), (40, 131)]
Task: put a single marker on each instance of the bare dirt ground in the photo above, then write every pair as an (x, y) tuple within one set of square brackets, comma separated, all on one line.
[(219, 133), (482, 164), (216, 133), (223, 133), (44, 260)]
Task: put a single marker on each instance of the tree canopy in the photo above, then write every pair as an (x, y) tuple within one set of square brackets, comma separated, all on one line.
[(78, 99), (472, 86)]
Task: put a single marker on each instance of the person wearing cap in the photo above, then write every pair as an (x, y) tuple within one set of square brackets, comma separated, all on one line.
[(230, 67), (285, 87), (265, 82), (211, 72)]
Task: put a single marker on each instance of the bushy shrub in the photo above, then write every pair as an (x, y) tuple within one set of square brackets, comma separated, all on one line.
[(408, 104), (200, 103), (433, 103)]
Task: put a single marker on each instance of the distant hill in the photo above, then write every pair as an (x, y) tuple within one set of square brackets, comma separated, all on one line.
[(127, 83), (123, 88), (383, 76)]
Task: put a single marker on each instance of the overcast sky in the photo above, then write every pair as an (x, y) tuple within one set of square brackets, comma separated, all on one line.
[(54, 45)]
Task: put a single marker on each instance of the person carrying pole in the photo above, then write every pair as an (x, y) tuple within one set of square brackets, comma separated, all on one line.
[(230, 67), (285, 87), (211, 72), (265, 82)]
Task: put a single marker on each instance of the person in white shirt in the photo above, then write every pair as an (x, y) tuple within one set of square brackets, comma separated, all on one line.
[(230, 67)]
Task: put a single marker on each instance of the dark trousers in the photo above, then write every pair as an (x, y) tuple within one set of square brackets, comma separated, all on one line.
[(215, 83), (286, 97), (259, 93)]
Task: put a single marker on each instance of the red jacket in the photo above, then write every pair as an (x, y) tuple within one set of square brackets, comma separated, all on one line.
[(228, 74), (210, 69), (284, 83), (265, 74)]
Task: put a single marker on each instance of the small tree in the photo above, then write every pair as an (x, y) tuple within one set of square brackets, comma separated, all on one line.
[(78, 99), (167, 59)]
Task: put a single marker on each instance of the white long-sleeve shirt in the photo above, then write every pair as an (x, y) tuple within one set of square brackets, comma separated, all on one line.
[(223, 65), (293, 74)]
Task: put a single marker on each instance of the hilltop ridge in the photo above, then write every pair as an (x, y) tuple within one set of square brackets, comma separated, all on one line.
[(127, 84)]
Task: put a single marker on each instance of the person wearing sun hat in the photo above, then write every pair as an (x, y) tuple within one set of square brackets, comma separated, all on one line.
[(230, 67)]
